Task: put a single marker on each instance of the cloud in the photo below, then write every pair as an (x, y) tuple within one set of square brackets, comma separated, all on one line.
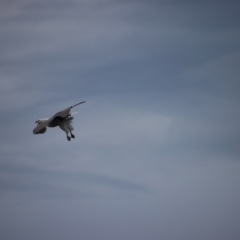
[(126, 127), (51, 182), (218, 76), (156, 150)]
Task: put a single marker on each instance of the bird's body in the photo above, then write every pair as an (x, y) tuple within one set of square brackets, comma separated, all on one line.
[(63, 119)]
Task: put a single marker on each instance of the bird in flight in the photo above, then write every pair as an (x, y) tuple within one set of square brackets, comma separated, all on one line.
[(63, 119)]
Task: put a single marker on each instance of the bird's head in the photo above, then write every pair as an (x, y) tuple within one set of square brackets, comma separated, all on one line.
[(39, 121)]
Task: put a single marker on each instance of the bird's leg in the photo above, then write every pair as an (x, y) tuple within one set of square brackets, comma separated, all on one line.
[(72, 134), (68, 138)]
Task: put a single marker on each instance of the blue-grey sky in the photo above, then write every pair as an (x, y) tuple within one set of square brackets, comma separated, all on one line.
[(156, 154)]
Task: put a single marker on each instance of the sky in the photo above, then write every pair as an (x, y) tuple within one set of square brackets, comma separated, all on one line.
[(156, 153)]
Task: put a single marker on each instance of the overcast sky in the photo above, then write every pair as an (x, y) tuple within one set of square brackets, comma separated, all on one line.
[(156, 153)]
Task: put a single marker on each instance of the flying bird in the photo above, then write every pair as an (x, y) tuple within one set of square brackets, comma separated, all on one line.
[(63, 119)]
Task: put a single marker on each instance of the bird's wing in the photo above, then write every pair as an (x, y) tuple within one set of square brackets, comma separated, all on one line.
[(78, 104), (62, 114), (66, 112), (58, 117), (41, 128), (54, 120)]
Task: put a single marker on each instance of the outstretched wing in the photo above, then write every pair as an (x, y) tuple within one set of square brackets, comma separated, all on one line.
[(66, 112), (62, 114), (41, 127)]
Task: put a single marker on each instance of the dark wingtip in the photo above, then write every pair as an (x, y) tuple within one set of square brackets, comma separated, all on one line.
[(77, 104)]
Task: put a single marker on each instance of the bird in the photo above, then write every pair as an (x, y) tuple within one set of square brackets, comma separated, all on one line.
[(63, 119)]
